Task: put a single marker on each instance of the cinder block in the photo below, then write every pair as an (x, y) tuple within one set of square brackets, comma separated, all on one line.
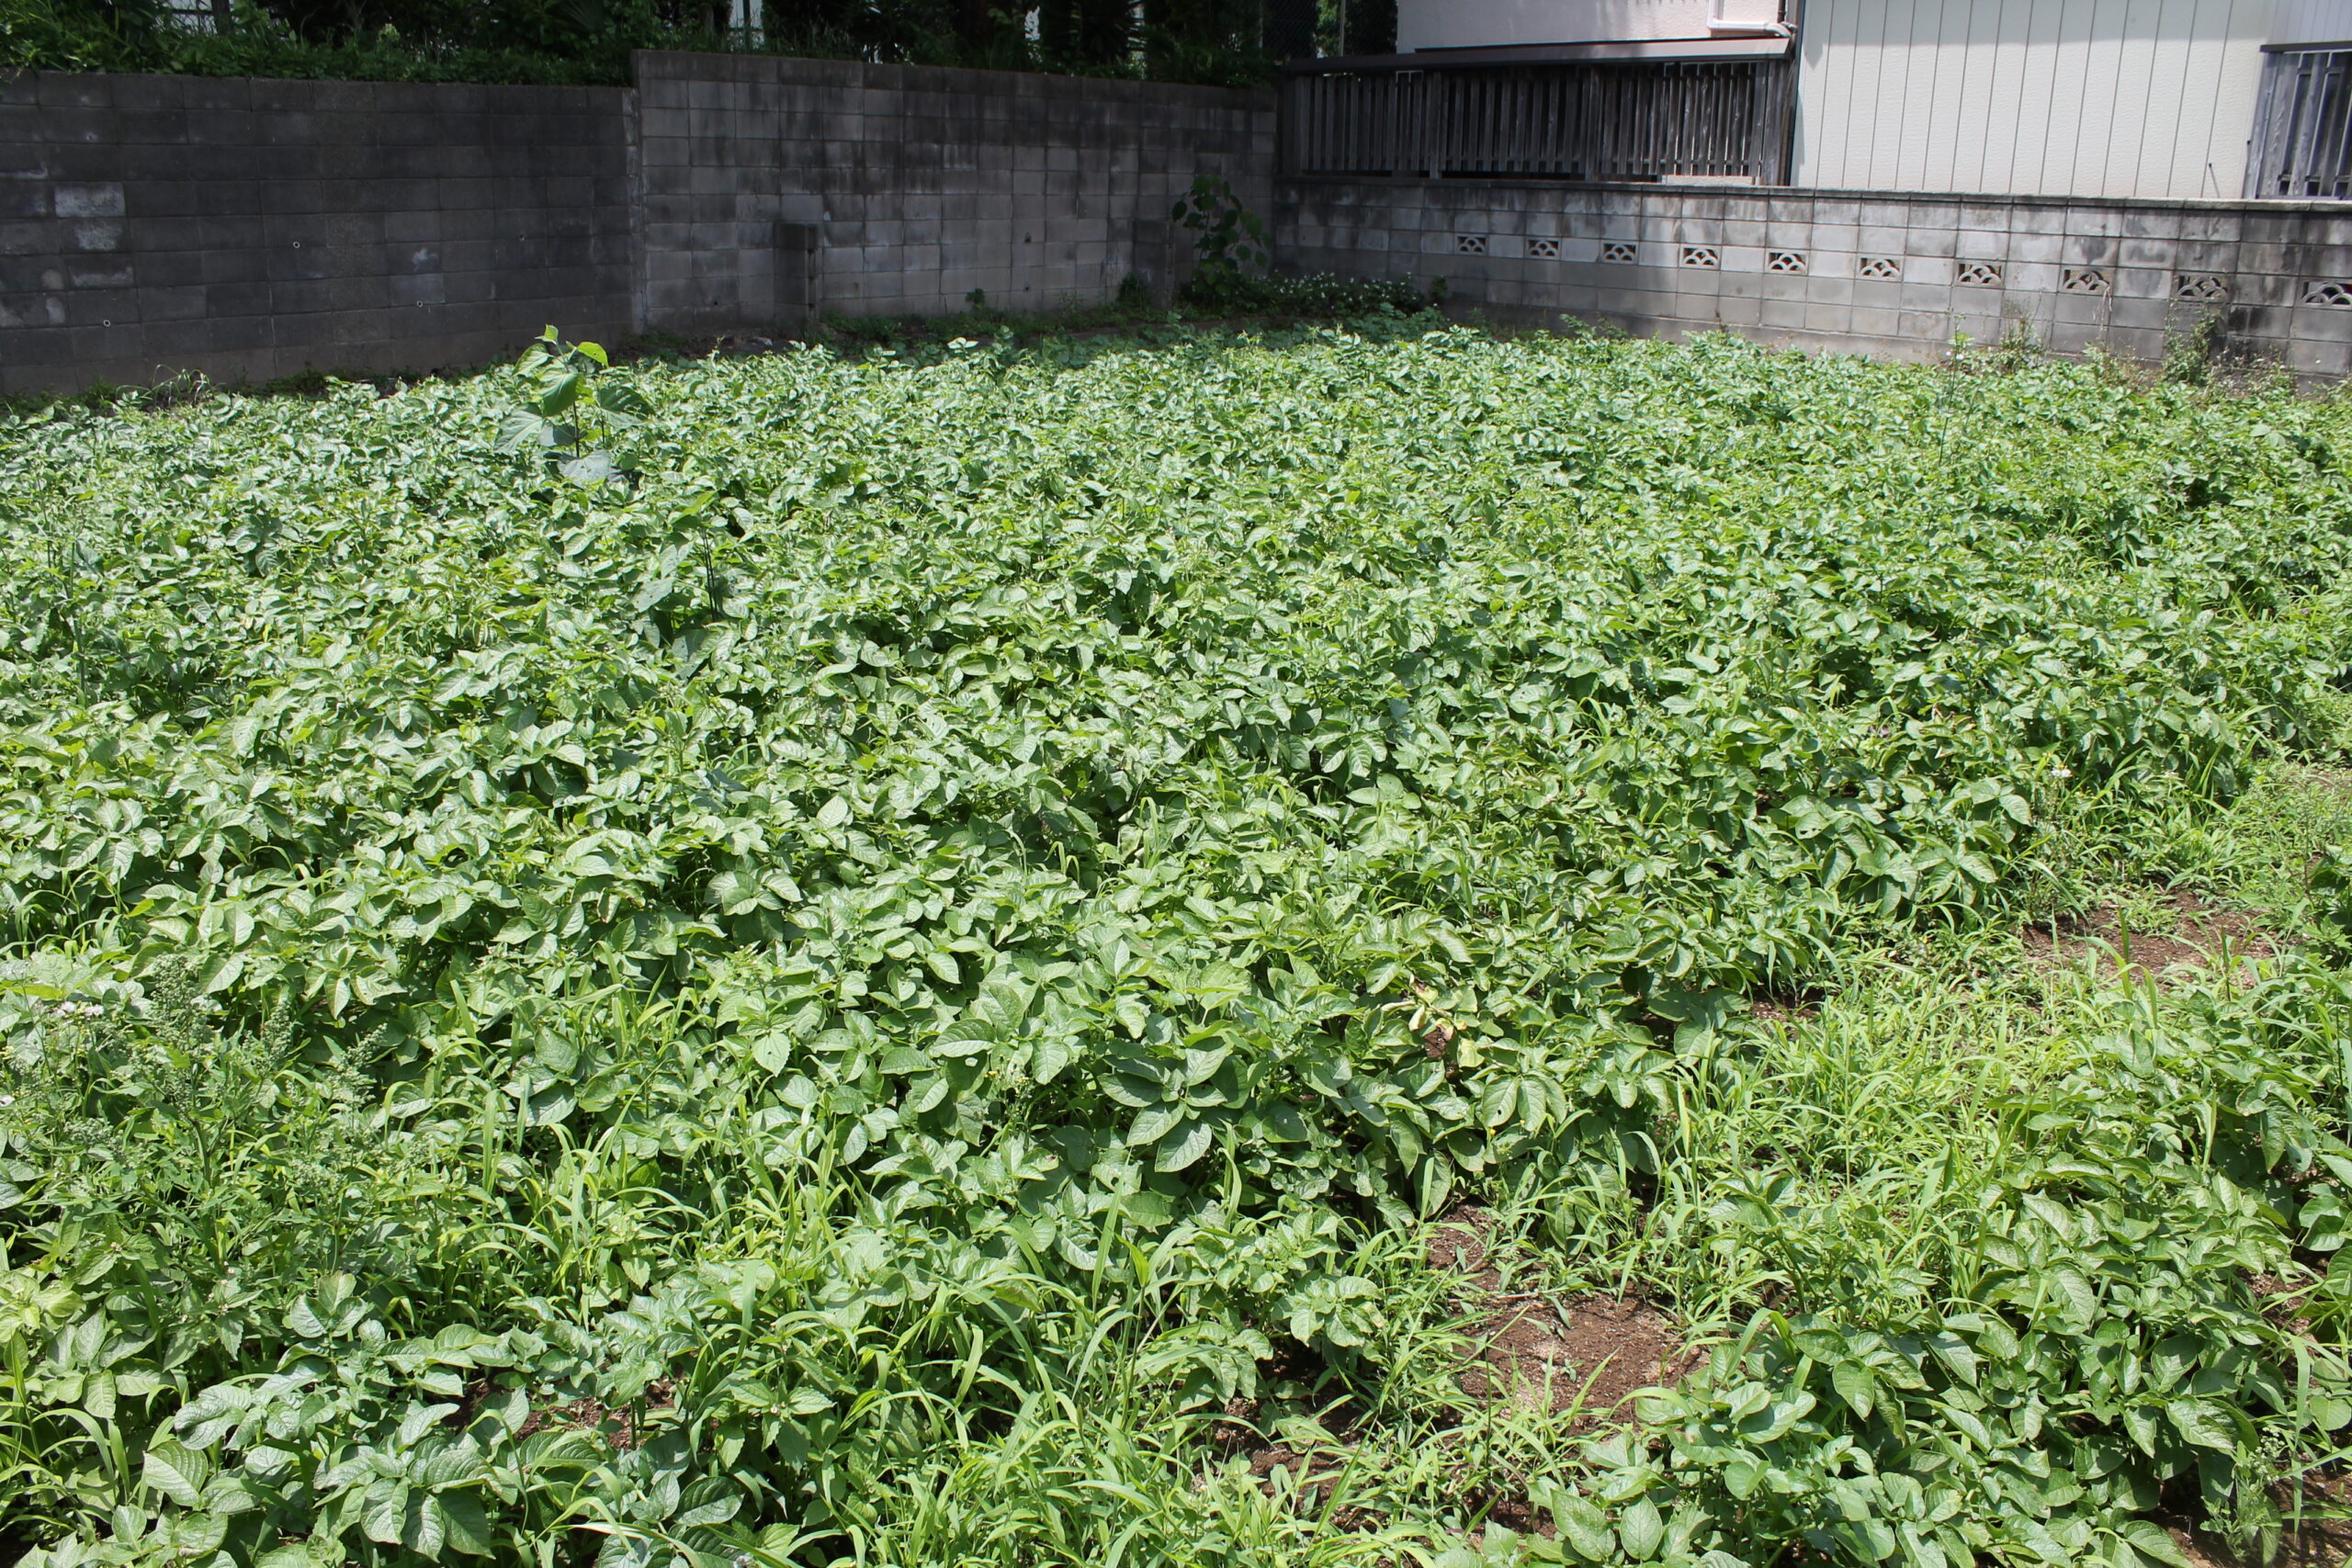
[(2081, 309), (1924, 326), (2089, 250), (1875, 323), (167, 269), (1879, 240), (2310, 357), (2323, 324), (1983, 244), (2031, 278)]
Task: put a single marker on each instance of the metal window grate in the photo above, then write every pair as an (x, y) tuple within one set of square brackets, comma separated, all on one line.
[(2303, 127), (1567, 120)]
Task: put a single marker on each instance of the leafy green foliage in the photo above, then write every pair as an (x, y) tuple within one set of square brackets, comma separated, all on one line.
[(578, 416), (533, 42), (1231, 271), (840, 996), (1230, 238), (2331, 884), (561, 41)]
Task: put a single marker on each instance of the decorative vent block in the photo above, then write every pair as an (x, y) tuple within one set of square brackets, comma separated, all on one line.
[(1618, 251), (2330, 291), (2082, 280), (1700, 255), (1978, 274), (1543, 250), (1470, 244), (1885, 269), (1784, 261), (2200, 286)]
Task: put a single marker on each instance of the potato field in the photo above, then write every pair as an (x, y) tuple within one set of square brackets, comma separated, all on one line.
[(1370, 946)]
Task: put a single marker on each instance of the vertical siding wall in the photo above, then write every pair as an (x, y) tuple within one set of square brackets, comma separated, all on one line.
[(255, 229), (775, 186), (1878, 273), (2312, 21), (2118, 98)]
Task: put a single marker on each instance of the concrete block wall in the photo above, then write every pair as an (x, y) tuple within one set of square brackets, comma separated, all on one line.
[(774, 185), (1883, 274), (251, 228)]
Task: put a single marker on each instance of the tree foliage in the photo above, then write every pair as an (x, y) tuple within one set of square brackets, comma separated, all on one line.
[(590, 41)]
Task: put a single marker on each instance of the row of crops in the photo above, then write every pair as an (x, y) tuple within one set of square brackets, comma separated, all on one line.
[(801, 960)]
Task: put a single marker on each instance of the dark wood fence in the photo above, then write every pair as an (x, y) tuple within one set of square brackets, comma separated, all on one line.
[(2303, 128), (1564, 121)]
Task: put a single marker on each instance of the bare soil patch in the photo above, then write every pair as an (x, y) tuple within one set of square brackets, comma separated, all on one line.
[(2198, 936), (2314, 1543), (1587, 1354), (616, 1424), (1795, 1007)]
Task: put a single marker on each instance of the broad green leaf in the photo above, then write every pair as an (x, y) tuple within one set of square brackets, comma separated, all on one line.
[(1182, 1147), (2204, 1422), (1641, 1529), (1855, 1386), (176, 1471)]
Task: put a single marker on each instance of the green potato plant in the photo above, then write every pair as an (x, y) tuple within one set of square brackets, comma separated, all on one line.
[(807, 960)]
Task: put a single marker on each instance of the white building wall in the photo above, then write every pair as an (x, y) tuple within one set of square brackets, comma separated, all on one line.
[(1474, 24), (2056, 97), (2312, 21)]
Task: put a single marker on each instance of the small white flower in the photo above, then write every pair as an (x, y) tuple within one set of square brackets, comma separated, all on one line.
[(6, 1100), (2062, 772)]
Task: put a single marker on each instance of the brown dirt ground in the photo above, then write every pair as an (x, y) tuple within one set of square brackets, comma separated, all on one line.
[(619, 1425), (2318, 1543), (1520, 1350), (1238, 1434), (1588, 1355), (2200, 933), (1770, 1008)]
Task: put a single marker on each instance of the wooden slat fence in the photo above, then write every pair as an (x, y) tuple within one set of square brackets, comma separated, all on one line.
[(1577, 120), (2303, 128)]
